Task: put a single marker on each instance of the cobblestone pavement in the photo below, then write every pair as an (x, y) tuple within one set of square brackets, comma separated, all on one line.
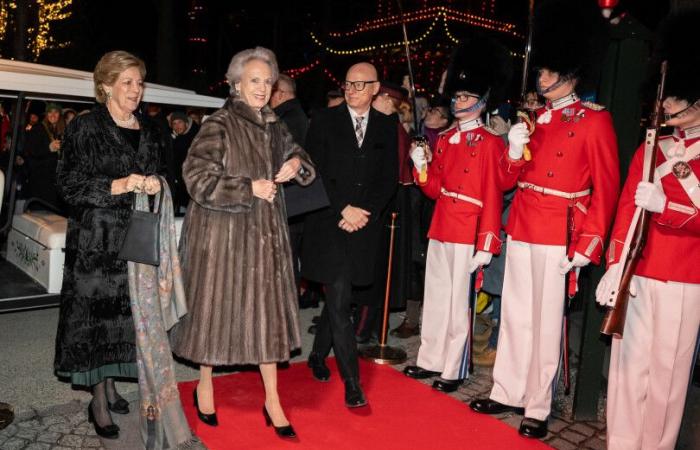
[(65, 427), (56, 428), (564, 433)]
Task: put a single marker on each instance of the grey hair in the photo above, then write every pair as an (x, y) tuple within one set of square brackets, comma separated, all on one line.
[(240, 59), (289, 81)]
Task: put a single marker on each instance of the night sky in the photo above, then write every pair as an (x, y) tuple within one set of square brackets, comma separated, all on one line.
[(159, 31)]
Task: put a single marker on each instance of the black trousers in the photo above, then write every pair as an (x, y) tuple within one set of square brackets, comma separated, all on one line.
[(335, 329)]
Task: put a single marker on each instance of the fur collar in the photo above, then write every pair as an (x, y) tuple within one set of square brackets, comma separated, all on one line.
[(238, 107)]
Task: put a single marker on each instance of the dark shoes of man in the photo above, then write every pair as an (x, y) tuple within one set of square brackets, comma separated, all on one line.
[(419, 373), (309, 299), (488, 406), (405, 330), (314, 327), (354, 397), (365, 338), (319, 369), (447, 385), (533, 428)]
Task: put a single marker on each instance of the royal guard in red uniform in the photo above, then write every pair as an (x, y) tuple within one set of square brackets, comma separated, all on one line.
[(463, 178), (650, 365), (567, 178)]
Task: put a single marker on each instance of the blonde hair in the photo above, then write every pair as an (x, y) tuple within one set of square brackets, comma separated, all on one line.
[(240, 59), (110, 66)]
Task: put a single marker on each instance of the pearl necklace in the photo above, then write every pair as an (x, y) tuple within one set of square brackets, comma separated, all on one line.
[(128, 123)]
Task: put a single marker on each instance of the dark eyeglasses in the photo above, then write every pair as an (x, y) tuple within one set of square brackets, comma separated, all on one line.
[(357, 85)]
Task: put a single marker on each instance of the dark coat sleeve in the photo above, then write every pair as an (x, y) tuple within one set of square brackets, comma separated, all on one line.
[(79, 182), (317, 148), (291, 149), (298, 125), (205, 175)]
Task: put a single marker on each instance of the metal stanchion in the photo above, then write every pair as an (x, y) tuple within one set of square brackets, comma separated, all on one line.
[(382, 353)]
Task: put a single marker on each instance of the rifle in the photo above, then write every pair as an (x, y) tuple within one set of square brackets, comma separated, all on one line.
[(418, 139), (569, 293), (614, 321), (524, 115)]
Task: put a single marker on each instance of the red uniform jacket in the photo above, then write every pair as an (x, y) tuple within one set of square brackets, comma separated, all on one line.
[(471, 169), (672, 250), (575, 151)]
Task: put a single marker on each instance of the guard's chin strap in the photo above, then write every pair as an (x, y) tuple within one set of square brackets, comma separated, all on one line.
[(682, 112), (559, 82), (475, 107)]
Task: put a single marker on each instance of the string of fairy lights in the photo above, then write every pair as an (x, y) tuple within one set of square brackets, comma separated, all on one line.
[(40, 37), (430, 13), (48, 12), (4, 16), (434, 14)]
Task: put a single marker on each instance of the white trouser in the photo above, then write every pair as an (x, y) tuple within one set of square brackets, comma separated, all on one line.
[(529, 341), (650, 366), (445, 325)]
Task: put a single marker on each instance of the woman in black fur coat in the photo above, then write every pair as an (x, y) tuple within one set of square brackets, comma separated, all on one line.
[(106, 155)]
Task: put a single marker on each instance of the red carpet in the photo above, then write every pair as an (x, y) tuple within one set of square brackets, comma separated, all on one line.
[(402, 414)]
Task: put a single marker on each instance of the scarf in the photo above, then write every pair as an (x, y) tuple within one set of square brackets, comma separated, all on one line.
[(157, 302)]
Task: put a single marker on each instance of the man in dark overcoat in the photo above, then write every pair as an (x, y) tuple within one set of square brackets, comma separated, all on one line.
[(354, 147), (287, 107)]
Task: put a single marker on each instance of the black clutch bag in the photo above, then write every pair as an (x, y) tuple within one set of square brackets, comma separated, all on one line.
[(142, 241), (303, 199)]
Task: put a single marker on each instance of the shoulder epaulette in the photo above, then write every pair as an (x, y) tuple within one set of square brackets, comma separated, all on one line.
[(593, 106)]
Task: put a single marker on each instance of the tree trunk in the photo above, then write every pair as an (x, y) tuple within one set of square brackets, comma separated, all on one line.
[(20, 32), (167, 71)]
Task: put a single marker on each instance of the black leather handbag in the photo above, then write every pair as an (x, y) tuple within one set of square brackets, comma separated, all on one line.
[(142, 241), (304, 199)]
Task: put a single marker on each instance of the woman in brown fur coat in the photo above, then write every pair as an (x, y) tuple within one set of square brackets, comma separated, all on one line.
[(236, 255)]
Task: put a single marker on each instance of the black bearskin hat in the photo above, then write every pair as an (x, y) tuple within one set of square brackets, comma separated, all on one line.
[(569, 37), (480, 65), (676, 43)]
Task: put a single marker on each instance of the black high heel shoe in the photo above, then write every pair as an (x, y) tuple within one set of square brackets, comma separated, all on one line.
[(109, 432), (286, 432), (121, 406), (209, 419)]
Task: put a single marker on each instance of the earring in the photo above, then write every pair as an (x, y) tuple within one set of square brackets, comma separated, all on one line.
[(109, 95)]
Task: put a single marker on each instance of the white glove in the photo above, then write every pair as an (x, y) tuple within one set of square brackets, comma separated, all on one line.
[(606, 292), (419, 158), (579, 261), (481, 259), (518, 136), (650, 197)]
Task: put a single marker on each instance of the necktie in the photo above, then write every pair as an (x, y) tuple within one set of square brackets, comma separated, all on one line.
[(358, 130)]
